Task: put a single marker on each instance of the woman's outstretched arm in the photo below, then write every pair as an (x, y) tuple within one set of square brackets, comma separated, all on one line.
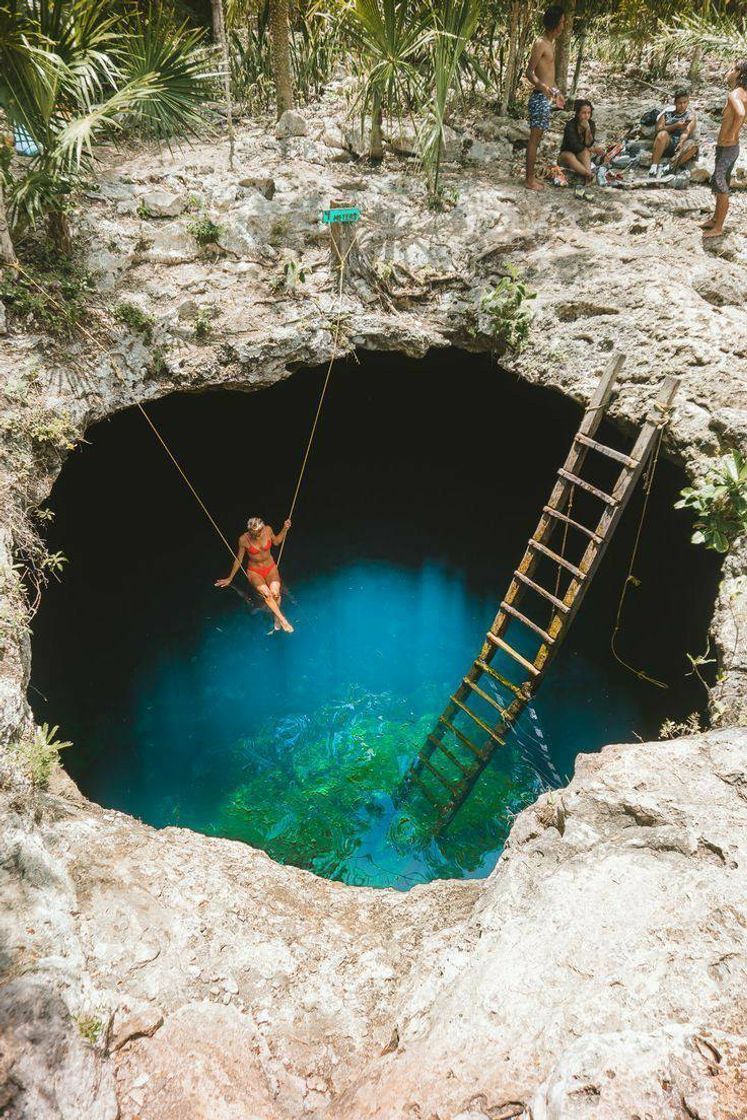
[(236, 565)]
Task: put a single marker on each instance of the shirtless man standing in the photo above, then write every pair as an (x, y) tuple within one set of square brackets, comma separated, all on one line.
[(727, 146), (541, 73)]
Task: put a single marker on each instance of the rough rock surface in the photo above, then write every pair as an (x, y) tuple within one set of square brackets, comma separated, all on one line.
[(601, 971)]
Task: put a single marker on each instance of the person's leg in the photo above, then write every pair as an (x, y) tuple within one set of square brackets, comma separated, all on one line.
[(686, 154), (535, 136), (568, 159), (259, 582), (716, 228), (662, 142)]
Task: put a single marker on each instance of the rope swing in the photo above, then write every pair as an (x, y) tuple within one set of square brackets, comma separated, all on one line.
[(334, 216)]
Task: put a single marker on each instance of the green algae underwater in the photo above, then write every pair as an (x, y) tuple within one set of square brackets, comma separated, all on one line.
[(184, 712)]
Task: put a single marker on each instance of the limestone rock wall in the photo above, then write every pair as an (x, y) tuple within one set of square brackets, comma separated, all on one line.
[(601, 971)]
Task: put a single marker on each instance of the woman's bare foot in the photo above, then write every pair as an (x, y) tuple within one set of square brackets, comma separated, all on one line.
[(707, 224), (534, 185), (713, 231), (287, 626)]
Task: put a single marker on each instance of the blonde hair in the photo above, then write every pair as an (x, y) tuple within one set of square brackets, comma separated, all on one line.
[(255, 525)]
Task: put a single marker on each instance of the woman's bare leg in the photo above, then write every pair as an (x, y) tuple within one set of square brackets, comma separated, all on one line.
[(272, 602), (575, 164)]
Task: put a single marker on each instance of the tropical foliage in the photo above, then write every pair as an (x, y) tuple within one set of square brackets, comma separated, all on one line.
[(76, 72), (720, 503)]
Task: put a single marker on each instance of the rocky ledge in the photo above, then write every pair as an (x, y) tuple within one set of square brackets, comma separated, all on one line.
[(601, 971)]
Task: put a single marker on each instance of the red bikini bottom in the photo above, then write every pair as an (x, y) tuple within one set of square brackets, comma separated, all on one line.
[(263, 571)]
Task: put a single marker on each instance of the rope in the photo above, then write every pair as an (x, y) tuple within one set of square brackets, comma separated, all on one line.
[(335, 347), (323, 394), (630, 578)]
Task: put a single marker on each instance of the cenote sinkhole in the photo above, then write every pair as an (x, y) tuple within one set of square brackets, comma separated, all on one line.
[(425, 481)]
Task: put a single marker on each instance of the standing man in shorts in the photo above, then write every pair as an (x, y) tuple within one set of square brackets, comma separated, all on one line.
[(727, 146), (541, 73)]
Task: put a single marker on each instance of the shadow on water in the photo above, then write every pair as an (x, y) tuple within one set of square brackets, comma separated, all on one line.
[(426, 480)]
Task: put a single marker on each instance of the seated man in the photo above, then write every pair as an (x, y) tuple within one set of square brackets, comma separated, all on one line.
[(675, 135)]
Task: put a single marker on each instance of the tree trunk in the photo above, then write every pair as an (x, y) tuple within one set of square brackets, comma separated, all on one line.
[(7, 252), (693, 74), (218, 26), (376, 148), (579, 60), (221, 38), (563, 56), (60, 234), (509, 75), (281, 64)]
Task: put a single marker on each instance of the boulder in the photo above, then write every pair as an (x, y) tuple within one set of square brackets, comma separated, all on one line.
[(292, 123), (262, 183), (162, 204)]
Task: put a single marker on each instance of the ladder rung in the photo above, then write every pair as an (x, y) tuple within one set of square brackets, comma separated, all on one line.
[(610, 452), (606, 498), (574, 524), (461, 737), (426, 791), (512, 653), (480, 722), (437, 743), (556, 559), (522, 618), (483, 665), (485, 696), (444, 781), (557, 603)]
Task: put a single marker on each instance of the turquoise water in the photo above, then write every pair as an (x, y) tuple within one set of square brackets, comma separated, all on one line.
[(185, 711)]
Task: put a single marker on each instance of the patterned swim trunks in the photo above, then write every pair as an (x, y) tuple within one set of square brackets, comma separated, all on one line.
[(726, 157), (539, 111)]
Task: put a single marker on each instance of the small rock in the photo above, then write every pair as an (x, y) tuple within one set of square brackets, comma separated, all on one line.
[(230, 985), (3, 320), (264, 184), (292, 123), (161, 204), (137, 1026)]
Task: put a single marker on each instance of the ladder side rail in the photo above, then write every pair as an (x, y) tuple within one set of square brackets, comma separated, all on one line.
[(561, 491), (622, 492), (590, 422)]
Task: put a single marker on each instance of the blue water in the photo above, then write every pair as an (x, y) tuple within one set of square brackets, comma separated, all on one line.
[(185, 711)]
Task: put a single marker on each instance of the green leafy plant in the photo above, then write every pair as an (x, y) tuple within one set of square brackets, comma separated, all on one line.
[(90, 1028), (205, 231), (136, 319), (719, 501), (391, 37), (203, 326), (672, 729), (454, 23), (72, 73), (504, 311), (40, 755), (52, 290)]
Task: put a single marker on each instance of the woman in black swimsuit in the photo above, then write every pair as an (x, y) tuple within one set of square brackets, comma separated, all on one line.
[(579, 141)]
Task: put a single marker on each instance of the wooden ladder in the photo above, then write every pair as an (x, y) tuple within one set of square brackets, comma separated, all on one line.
[(453, 757)]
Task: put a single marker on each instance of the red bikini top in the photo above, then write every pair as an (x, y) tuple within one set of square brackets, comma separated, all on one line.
[(262, 548)]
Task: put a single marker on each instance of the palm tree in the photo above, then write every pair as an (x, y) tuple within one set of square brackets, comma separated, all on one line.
[(455, 22), (392, 36), (77, 71), (281, 59)]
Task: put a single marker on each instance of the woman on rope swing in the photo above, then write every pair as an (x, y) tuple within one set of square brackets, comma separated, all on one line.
[(261, 568)]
